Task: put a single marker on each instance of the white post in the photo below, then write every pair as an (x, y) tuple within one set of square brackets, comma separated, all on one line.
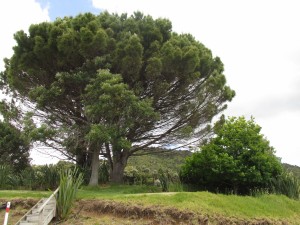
[(6, 213)]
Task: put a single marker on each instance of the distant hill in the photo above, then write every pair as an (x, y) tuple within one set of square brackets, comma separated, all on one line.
[(170, 160), (173, 159), (294, 169)]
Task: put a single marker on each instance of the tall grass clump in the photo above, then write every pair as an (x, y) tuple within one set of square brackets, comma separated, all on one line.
[(176, 187), (257, 192), (103, 172), (8, 178), (287, 184), (164, 180), (5, 173), (50, 176), (28, 178), (70, 181)]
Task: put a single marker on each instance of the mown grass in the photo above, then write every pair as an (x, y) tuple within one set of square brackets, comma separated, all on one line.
[(10, 194), (115, 190), (276, 207)]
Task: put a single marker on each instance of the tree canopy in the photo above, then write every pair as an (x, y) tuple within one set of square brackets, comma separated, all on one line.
[(14, 149), (238, 159), (129, 81)]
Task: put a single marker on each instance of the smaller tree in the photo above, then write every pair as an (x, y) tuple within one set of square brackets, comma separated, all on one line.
[(14, 149), (238, 159), (113, 112)]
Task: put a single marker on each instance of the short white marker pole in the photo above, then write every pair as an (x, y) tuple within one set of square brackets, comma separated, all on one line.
[(6, 213)]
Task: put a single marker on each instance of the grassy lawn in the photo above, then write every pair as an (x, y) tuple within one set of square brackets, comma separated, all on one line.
[(265, 206), (10, 194), (244, 207)]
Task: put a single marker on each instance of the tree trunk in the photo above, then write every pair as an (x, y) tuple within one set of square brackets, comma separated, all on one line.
[(118, 167), (83, 159), (95, 168)]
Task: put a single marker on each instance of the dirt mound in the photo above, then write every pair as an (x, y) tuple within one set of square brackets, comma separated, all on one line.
[(157, 215)]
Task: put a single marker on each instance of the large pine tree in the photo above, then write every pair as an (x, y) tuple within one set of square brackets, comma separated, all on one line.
[(113, 85)]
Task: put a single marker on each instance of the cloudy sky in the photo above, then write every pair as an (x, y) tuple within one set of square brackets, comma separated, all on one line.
[(258, 42)]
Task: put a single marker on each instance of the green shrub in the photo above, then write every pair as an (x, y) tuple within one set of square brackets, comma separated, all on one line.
[(131, 175), (237, 160)]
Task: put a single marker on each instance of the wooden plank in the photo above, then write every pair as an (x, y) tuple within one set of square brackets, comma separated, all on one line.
[(28, 223), (48, 218), (33, 218)]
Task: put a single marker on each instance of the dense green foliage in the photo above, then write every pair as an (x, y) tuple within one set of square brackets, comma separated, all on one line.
[(33, 177), (14, 149), (238, 159), (173, 83)]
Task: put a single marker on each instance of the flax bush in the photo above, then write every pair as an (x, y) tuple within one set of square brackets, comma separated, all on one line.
[(164, 180), (50, 176), (287, 184), (28, 178), (5, 172), (70, 181)]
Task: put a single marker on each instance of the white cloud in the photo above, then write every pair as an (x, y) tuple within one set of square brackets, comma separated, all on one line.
[(258, 42), (17, 15), (42, 155), (281, 131)]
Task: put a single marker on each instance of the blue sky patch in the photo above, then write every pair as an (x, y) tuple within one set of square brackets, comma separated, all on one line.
[(62, 8)]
